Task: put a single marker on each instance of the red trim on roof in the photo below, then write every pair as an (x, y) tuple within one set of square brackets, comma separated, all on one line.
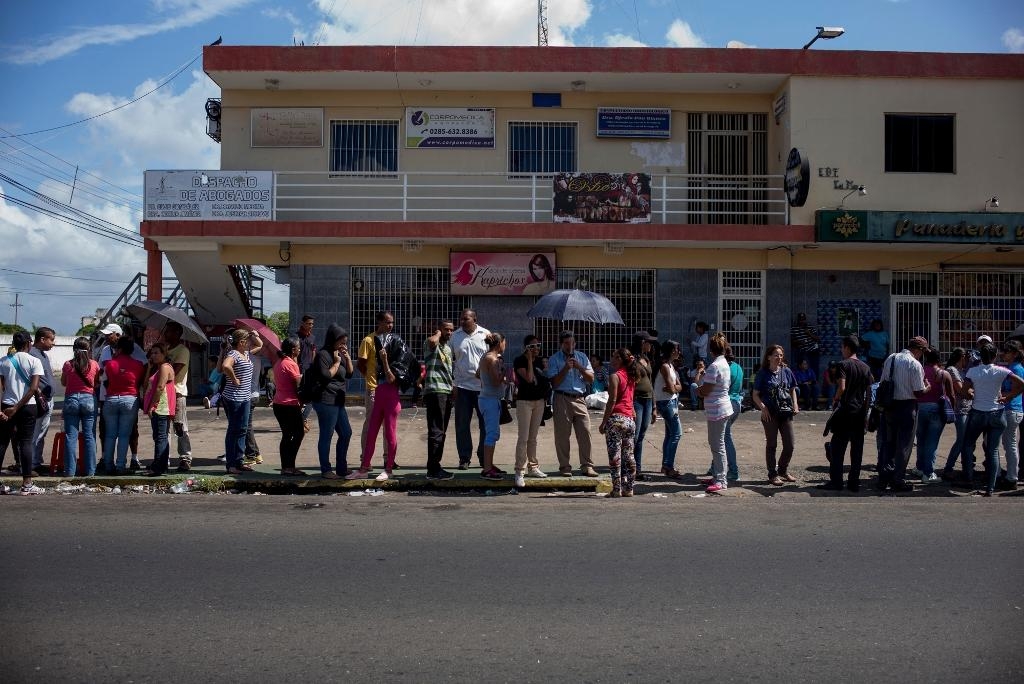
[(440, 59), (385, 232)]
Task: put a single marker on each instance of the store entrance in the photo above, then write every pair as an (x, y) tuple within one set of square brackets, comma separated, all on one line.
[(913, 316)]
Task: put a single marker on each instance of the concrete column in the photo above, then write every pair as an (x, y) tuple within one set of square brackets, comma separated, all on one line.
[(154, 271)]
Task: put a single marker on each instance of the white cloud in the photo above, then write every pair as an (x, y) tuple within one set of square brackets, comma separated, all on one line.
[(185, 13), (1013, 39), (622, 40), (446, 22), (681, 35), (738, 44)]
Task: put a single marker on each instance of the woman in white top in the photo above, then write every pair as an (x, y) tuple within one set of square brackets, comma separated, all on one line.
[(666, 398), (714, 388), (987, 416)]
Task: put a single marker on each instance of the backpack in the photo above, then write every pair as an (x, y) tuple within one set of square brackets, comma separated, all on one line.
[(412, 368), (310, 385)]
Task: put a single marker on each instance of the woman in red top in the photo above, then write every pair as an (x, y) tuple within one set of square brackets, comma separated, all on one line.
[(287, 408), (124, 377), (79, 379), (619, 422)]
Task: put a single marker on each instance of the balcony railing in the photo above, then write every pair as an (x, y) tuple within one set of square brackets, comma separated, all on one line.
[(505, 198)]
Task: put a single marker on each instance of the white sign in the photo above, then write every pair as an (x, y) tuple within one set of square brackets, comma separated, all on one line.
[(287, 127), (209, 196), (463, 127)]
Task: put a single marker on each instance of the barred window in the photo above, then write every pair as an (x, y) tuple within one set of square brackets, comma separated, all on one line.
[(364, 146), (545, 147)]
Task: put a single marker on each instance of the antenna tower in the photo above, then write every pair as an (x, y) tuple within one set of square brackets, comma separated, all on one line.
[(542, 23)]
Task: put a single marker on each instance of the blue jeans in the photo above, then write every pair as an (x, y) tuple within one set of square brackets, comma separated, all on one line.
[(237, 413), (119, 414), (1011, 443), (332, 420), (991, 424), (643, 409), (930, 424), (958, 445), (80, 415), (465, 407), (161, 444), (730, 446), (669, 410)]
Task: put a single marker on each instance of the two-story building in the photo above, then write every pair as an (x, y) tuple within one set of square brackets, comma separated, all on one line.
[(734, 186)]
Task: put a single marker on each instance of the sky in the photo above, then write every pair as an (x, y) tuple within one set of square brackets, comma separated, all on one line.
[(68, 61)]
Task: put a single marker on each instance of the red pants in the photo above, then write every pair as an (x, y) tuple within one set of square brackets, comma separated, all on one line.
[(386, 407)]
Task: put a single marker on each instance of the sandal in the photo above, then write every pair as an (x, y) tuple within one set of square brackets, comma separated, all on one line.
[(777, 481), (240, 469), (306, 427), (787, 477), (329, 475)]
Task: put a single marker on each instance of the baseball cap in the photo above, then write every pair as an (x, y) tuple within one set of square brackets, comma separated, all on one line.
[(112, 328), (645, 336), (984, 338), (918, 343)]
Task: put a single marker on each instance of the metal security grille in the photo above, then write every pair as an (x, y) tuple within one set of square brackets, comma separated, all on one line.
[(723, 146), (741, 312), (632, 292), (364, 146), (542, 146), (974, 303), (418, 298)]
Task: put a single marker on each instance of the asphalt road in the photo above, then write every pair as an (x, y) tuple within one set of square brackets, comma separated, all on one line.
[(569, 589)]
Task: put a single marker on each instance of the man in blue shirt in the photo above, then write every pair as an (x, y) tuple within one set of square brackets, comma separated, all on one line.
[(570, 372)]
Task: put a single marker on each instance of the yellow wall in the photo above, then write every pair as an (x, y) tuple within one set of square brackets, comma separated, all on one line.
[(840, 123)]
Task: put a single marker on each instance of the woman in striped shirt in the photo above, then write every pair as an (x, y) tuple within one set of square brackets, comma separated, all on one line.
[(235, 398)]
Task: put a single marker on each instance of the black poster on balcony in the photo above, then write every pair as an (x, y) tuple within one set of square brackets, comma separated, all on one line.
[(602, 198)]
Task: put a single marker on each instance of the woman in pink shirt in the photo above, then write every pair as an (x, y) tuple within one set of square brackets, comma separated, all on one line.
[(287, 408), (121, 407), (619, 422), (79, 379)]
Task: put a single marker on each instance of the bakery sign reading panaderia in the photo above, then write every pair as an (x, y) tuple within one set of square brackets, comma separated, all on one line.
[(961, 229), (901, 226)]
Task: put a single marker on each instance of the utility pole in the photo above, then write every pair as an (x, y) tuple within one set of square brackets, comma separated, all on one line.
[(16, 305), (542, 23)]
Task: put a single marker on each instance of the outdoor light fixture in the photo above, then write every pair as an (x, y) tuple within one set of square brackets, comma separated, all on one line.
[(284, 251), (991, 202), (826, 32), (861, 190), (412, 246), (614, 248)]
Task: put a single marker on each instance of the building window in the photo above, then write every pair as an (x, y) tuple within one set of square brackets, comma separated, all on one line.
[(741, 296), (544, 147), (364, 146), (920, 143)]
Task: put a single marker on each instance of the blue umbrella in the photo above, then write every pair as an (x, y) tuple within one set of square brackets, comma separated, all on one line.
[(576, 305)]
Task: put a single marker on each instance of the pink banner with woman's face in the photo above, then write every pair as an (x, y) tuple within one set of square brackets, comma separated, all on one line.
[(502, 273)]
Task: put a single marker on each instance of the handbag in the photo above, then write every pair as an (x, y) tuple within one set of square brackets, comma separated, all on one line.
[(886, 391), (948, 415), (506, 402)]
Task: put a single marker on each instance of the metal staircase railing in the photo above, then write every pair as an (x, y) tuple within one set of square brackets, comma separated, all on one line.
[(251, 287)]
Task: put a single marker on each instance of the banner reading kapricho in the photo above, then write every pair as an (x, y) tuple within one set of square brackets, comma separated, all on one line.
[(502, 273)]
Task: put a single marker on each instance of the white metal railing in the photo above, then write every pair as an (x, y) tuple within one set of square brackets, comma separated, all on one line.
[(504, 198)]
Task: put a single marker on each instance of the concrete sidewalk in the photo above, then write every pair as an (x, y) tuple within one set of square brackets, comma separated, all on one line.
[(693, 458)]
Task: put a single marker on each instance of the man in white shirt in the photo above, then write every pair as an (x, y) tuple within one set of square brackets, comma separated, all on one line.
[(44, 341), (468, 347), (907, 375)]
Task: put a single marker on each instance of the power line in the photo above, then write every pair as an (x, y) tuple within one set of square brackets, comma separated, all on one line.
[(81, 186), (72, 221), (51, 275)]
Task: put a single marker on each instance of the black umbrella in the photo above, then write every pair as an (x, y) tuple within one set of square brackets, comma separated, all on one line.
[(154, 314), (576, 305)]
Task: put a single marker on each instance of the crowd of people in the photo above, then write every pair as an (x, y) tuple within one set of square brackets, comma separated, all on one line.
[(906, 397)]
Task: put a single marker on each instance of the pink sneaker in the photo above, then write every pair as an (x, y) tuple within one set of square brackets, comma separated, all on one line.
[(716, 487), (357, 475)]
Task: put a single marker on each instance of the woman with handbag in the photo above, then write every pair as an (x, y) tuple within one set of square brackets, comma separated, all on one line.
[(956, 366), (79, 380), (492, 389), (533, 392), (931, 414), (20, 373), (158, 403), (287, 407), (237, 394), (619, 422), (774, 395)]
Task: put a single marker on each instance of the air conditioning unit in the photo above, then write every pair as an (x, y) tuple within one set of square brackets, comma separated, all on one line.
[(213, 118)]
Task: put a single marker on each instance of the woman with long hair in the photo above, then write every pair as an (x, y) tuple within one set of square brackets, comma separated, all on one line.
[(121, 407), (20, 373), (774, 396), (643, 395), (237, 367), (1013, 359), (956, 366), (988, 415), (666, 397), (714, 388), (735, 399), (333, 367), (287, 407), (533, 392), (930, 414), (618, 424), (79, 380), (492, 388), (159, 404)]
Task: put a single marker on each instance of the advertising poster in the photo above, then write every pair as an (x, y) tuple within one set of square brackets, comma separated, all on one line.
[(502, 273), (451, 127), (209, 195), (847, 321), (602, 198)]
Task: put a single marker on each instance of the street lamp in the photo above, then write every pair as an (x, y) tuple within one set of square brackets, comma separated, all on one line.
[(861, 191), (826, 32)]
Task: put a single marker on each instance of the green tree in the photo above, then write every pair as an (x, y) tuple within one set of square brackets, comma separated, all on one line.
[(86, 330), (10, 328), (278, 322)]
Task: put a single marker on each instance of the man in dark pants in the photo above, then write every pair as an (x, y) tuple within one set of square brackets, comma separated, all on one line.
[(853, 390), (901, 416), (437, 395)]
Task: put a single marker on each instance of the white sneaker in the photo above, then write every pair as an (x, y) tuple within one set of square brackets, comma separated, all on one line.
[(383, 477), (536, 472), (930, 479), (29, 489), (520, 480), (206, 402)]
